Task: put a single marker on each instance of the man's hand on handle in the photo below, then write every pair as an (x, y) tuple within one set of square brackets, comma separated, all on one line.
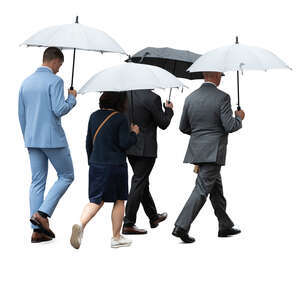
[(135, 128), (169, 104), (73, 92), (240, 114)]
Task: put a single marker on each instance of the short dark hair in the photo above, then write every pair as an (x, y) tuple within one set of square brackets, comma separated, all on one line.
[(52, 53), (113, 100)]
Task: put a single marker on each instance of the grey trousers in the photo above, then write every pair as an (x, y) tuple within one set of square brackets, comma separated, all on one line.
[(208, 182)]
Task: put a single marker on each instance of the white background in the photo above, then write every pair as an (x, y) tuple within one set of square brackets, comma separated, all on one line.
[(261, 179)]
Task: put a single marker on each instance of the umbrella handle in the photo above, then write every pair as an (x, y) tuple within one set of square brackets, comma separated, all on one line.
[(73, 67), (238, 89), (170, 95)]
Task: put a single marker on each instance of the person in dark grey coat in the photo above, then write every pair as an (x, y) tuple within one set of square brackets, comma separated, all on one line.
[(148, 114), (207, 117)]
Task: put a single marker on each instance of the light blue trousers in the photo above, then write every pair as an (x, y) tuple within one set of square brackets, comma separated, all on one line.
[(61, 160)]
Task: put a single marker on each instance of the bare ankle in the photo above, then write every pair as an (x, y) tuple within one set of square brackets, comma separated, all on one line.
[(117, 236)]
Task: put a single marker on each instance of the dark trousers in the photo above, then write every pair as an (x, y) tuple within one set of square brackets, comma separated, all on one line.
[(208, 182), (139, 191)]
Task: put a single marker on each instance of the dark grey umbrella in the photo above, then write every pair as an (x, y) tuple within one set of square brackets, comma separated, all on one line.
[(173, 60)]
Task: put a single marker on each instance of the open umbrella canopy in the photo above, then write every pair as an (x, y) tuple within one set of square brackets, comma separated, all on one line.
[(131, 76), (72, 36), (237, 57), (173, 60)]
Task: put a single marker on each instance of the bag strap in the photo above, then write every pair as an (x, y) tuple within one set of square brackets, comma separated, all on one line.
[(101, 125)]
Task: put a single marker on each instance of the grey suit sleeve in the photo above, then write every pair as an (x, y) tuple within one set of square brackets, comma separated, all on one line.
[(161, 118), (230, 123), (60, 106), (21, 112), (185, 126)]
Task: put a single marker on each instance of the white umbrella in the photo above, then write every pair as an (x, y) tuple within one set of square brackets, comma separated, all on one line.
[(131, 76), (237, 58), (74, 36)]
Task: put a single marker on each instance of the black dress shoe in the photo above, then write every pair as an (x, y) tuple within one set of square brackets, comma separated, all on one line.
[(228, 232), (133, 230), (160, 218), (183, 235)]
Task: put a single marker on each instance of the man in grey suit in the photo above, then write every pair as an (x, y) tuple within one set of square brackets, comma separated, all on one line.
[(145, 110), (207, 117)]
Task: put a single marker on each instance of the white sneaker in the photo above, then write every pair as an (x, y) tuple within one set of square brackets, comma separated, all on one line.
[(121, 242), (76, 237)]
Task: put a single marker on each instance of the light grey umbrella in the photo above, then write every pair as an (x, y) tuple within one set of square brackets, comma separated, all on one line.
[(74, 36), (131, 76), (238, 57)]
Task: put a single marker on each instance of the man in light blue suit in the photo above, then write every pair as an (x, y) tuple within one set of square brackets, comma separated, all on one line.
[(41, 106)]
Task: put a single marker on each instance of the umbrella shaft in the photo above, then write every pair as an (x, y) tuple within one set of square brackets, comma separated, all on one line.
[(174, 69), (132, 109), (238, 88), (170, 94), (73, 66)]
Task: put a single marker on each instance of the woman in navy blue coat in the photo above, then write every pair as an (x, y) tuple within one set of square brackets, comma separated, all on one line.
[(108, 138)]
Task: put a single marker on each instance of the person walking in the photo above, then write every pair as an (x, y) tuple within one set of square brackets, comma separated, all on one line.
[(207, 117), (41, 106), (145, 109), (108, 138)]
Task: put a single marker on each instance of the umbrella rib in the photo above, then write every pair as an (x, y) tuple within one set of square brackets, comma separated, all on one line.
[(225, 58), (154, 74), (82, 32), (50, 39), (258, 59)]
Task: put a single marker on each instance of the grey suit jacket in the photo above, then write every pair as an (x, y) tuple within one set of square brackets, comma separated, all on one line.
[(207, 117), (148, 115)]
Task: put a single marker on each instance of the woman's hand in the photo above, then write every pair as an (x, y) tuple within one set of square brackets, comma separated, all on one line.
[(135, 128)]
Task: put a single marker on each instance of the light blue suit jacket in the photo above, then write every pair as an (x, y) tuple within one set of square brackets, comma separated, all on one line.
[(41, 105)]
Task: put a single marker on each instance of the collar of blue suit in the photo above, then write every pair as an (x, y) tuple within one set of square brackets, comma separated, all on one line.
[(44, 69)]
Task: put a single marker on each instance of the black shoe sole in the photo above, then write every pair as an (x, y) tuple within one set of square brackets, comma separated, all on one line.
[(40, 241), (223, 235), (43, 229), (134, 233)]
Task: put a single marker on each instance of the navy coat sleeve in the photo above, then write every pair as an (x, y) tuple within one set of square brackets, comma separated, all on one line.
[(89, 140), (126, 138)]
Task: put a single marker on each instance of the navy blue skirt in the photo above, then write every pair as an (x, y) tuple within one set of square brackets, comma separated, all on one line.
[(108, 183)]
